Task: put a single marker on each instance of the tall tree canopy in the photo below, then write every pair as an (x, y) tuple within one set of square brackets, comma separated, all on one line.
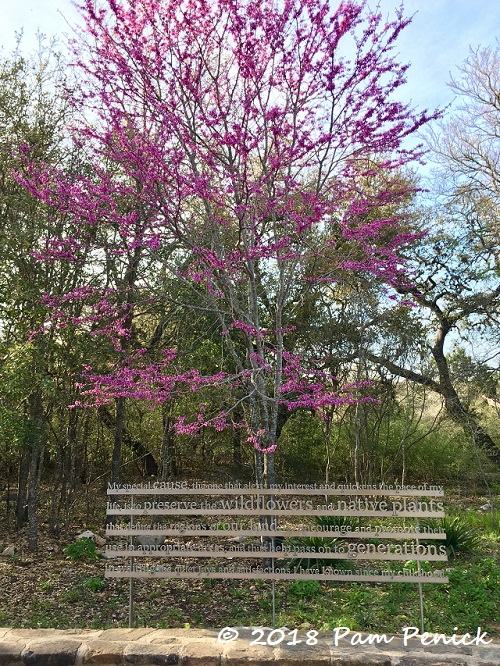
[(36, 373), (236, 145), (456, 267)]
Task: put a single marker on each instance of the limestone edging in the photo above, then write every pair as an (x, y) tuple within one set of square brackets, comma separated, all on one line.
[(192, 647)]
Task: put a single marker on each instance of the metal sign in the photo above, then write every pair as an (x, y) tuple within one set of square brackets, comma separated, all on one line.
[(213, 513)]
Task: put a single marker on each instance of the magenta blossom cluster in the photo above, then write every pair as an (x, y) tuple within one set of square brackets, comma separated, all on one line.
[(249, 151)]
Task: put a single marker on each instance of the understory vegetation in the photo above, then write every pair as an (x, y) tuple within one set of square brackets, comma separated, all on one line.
[(65, 587)]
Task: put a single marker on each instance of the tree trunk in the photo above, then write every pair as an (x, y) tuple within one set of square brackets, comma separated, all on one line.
[(259, 469), (58, 488), (117, 449), (24, 470), (35, 471), (168, 462), (150, 464), (444, 387), (35, 465), (459, 413), (269, 477), (471, 427), (117, 446), (236, 437)]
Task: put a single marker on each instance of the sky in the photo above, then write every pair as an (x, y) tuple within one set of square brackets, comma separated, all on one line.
[(435, 44)]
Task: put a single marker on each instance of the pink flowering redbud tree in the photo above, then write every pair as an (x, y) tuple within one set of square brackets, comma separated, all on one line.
[(233, 141)]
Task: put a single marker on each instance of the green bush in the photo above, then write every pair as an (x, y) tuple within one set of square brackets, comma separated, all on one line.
[(46, 586), (304, 589), (95, 584), (444, 456), (71, 596), (82, 549), (487, 522), (301, 454), (461, 536)]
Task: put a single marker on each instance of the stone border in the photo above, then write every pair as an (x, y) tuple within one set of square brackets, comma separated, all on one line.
[(190, 647)]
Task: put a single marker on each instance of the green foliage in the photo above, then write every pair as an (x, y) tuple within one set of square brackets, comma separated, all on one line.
[(301, 454), (444, 456), (94, 584), (81, 549), (312, 545), (472, 377), (305, 589), (404, 430), (71, 596), (475, 590), (46, 586), (155, 594), (461, 536), (174, 615), (487, 522), (471, 599)]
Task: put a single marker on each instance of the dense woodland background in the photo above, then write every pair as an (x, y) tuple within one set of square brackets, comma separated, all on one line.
[(428, 361)]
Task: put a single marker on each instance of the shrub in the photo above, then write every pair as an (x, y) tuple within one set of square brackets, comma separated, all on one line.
[(71, 596), (304, 588), (95, 584), (46, 586), (461, 536), (82, 549)]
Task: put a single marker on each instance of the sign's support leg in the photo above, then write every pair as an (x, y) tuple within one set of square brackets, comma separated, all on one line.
[(131, 598), (131, 580), (421, 598), (273, 589), (420, 593), (274, 601)]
